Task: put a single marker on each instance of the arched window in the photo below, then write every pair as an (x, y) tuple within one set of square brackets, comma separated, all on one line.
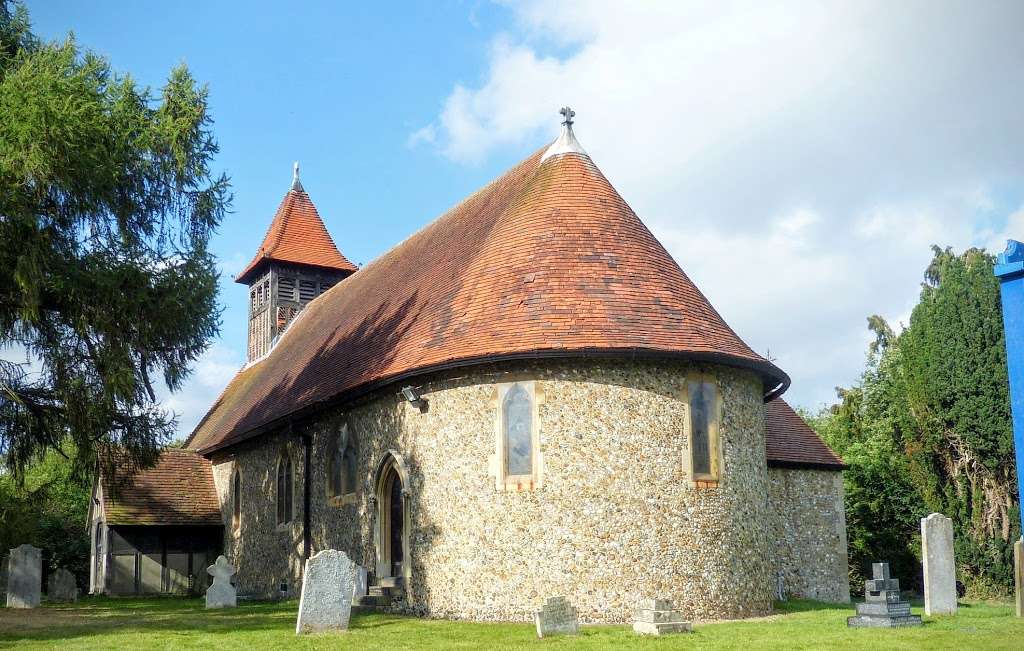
[(341, 479), (704, 410), (236, 500), (517, 431), (284, 489)]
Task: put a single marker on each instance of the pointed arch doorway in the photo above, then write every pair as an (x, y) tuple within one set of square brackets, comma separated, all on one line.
[(391, 527)]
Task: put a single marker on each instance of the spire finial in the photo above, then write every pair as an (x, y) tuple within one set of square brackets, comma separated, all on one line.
[(568, 114), (566, 143), (296, 184)]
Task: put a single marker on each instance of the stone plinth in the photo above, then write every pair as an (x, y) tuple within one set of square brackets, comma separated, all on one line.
[(939, 565), (556, 617), (883, 607), (221, 594), (61, 586), (327, 586), (24, 577), (658, 617)]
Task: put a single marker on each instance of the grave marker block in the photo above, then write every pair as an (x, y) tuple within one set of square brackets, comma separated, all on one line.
[(24, 577), (328, 583), (556, 617), (939, 565)]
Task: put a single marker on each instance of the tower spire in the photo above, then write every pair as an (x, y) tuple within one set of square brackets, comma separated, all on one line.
[(296, 183)]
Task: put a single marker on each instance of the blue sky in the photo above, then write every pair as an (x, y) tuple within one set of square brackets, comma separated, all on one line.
[(797, 160)]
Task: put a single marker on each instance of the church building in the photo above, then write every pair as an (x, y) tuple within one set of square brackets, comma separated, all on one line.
[(526, 398)]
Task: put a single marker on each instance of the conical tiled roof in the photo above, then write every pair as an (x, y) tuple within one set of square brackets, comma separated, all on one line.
[(546, 261), (297, 235)]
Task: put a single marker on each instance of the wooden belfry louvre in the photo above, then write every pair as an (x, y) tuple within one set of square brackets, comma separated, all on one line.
[(155, 531)]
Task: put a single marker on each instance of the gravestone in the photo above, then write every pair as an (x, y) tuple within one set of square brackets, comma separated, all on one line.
[(939, 565), (61, 586), (360, 587), (657, 617), (883, 607), (24, 577), (221, 594), (556, 617), (327, 587)]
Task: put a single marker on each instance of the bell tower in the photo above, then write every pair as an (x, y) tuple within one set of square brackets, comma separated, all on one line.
[(296, 262)]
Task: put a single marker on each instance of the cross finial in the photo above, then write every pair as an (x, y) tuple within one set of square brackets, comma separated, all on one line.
[(569, 114), (296, 184)]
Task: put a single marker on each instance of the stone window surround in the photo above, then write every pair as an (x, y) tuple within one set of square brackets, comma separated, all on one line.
[(712, 479), (344, 498), (503, 481)]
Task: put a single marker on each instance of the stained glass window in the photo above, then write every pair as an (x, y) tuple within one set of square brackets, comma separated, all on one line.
[(518, 431), (702, 419)]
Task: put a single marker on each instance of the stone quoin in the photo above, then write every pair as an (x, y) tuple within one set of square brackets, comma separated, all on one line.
[(527, 397)]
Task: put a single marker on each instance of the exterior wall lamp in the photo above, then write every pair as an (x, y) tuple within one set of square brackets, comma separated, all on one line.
[(413, 397)]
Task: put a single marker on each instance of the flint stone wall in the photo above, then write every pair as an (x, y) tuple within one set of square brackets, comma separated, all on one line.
[(808, 533), (614, 519)]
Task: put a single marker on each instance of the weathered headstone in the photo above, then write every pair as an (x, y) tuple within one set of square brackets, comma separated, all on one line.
[(360, 587), (24, 577), (61, 586), (939, 565), (883, 607), (556, 617), (327, 587), (221, 594), (657, 617)]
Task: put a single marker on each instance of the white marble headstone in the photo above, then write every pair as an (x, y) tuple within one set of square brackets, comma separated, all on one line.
[(221, 594), (328, 583), (939, 565), (360, 588), (24, 577)]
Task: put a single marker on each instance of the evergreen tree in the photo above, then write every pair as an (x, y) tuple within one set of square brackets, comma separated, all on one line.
[(928, 429), (107, 204)]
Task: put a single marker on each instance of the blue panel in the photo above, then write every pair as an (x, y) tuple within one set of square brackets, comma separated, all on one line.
[(1011, 288)]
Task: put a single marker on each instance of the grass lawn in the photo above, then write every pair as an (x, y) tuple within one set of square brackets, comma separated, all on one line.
[(172, 623)]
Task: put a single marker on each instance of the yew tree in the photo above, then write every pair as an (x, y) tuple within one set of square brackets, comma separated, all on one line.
[(107, 286)]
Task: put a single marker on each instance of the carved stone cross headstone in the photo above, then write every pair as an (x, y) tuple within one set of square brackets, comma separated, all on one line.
[(658, 617), (61, 586), (328, 582), (221, 594), (883, 606), (556, 616), (939, 566), (24, 577)]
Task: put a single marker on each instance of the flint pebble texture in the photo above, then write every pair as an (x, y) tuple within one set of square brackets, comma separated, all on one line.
[(24, 577), (939, 566), (808, 533), (614, 518), (327, 586)]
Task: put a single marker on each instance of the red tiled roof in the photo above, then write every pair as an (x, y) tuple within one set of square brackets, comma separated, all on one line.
[(791, 443), (298, 235), (179, 489), (547, 260)]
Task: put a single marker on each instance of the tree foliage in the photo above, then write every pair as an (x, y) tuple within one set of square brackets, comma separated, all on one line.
[(107, 204), (928, 429), (48, 508)]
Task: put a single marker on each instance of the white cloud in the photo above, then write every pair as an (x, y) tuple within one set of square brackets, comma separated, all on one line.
[(211, 373), (797, 159)]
